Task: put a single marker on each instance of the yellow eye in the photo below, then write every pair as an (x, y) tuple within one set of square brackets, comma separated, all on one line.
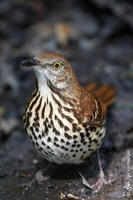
[(57, 65)]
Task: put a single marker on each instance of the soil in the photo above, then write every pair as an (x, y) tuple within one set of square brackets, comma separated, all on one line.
[(97, 39)]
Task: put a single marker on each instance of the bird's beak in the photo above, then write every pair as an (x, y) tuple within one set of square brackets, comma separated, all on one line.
[(30, 62)]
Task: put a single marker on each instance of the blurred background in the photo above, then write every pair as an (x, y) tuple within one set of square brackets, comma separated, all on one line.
[(97, 38)]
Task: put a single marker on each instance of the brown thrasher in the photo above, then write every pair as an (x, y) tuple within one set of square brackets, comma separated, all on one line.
[(65, 121)]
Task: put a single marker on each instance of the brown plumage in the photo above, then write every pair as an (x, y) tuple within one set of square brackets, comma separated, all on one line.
[(64, 120), (105, 93)]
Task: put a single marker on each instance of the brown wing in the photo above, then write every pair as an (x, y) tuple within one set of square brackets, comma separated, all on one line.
[(106, 93), (93, 111)]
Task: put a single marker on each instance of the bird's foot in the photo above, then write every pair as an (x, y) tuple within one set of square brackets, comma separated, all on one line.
[(99, 184)]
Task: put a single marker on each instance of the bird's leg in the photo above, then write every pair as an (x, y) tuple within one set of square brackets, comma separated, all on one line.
[(101, 180)]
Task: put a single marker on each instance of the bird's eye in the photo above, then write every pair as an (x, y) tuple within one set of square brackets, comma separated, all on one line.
[(57, 65)]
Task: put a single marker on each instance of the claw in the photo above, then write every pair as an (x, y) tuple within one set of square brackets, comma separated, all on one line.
[(85, 182), (101, 180), (99, 184)]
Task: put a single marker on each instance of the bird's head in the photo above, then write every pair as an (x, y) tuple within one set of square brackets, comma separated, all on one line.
[(52, 67)]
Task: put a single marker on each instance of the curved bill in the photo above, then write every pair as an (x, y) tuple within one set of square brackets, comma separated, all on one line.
[(30, 62)]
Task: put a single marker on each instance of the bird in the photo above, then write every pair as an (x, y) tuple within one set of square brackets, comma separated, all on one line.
[(65, 121)]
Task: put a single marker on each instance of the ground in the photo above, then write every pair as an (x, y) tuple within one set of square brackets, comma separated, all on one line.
[(96, 37)]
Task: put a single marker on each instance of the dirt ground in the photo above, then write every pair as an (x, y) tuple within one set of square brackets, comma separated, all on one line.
[(97, 38)]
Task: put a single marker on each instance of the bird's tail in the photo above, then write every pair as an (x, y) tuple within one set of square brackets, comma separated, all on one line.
[(106, 93)]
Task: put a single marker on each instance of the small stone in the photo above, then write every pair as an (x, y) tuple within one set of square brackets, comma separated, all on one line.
[(7, 125), (35, 161)]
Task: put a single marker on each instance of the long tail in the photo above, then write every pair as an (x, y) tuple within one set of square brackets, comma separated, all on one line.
[(106, 93)]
